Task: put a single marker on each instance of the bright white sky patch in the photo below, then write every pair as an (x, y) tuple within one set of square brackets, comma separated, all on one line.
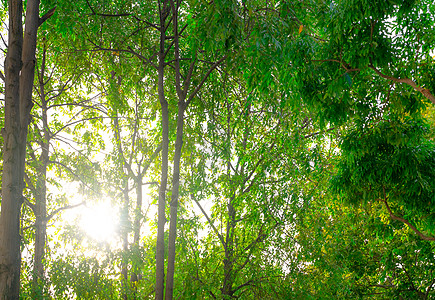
[(99, 221)]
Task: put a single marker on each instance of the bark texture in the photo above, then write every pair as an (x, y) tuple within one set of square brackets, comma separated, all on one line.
[(174, 203), (40, 192), (160, 244), (19, 75)]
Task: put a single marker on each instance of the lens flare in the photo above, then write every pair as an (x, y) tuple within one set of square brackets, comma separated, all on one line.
[(99, 222)]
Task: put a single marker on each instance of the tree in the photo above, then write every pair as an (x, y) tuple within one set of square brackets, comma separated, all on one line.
[(134, 153), (354, 59), (19, 74), (356, 69), (53, 89), (249, 156), (166, 25), (400, 69), (391, 162)]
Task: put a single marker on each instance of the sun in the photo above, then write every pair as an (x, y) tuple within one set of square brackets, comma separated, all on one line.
[(99, 221)]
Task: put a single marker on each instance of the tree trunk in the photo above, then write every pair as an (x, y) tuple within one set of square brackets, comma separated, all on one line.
[(40, 236), (124, 235), (160, 244), (138, 213), (228, 262), (228, 282), (41, 194), (174, 202), (10, 256), (177, 155), (19, 73), (135, 276)]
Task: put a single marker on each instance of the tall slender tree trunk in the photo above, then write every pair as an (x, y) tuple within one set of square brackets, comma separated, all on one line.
[(40, 222), (174, 202), (135, 276), (181, 93), (124, 235), (160, 244), (40, 231), (182, 85), (40, 209), (10, 256), (19, 75), (228, 262), (138, 212)]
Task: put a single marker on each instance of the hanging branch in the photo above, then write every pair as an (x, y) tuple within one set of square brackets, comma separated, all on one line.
[(397, 218), (426, 93), (31, 205), (407, 81)]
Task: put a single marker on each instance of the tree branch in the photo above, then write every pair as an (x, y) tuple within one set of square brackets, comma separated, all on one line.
[(429, 288), (128, 50), (199, 86), (243, 285), (50, 216), (78, 121), (407, 81), (94, 13), (73, 173), (46, 16), (397, 218), (426, 93), (209, 221), (29, 183), (152, 158), (345, 66), (30, 205)]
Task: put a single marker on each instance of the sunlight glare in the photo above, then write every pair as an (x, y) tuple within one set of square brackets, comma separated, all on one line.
[(99, 222)]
